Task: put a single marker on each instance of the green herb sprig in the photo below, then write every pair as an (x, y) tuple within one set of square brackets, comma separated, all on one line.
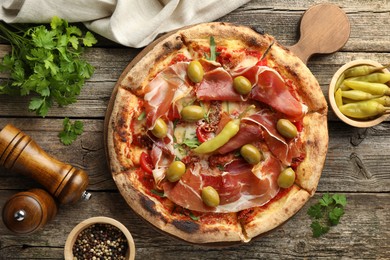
[(46, 62), (326, 213), (71, 130)]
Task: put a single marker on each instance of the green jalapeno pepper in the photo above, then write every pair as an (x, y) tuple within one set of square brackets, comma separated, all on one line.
[(358, 95), (369, 87), (230, 130), (374, 77), (363, 109)]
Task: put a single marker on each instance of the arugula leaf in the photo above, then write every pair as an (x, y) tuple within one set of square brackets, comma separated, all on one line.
[(326, 213), (45, 62), (70, 131)]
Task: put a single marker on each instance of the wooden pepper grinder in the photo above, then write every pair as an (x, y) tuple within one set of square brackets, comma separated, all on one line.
[(19, 153), (26, 212)]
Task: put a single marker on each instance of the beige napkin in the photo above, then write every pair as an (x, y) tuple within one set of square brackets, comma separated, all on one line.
[(133, 23)]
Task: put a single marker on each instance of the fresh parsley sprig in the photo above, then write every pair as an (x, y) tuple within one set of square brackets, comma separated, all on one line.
[(70, 131), (46, 62), (326, 213)]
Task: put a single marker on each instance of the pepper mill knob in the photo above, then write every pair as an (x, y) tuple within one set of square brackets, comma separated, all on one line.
[(26, 212), (19, 153)]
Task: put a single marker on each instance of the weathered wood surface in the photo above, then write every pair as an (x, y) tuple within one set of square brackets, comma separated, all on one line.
[(357, 164)]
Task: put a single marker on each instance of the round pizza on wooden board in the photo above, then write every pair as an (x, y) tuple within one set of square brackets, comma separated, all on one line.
[(216, 134)]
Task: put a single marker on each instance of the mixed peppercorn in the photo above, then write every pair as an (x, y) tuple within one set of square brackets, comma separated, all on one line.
[(100, 241)]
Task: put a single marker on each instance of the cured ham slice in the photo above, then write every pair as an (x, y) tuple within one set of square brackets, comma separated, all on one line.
[(270, 88), (285, 151), (238, 186), (217, 84), (169, 85), (248, 133)]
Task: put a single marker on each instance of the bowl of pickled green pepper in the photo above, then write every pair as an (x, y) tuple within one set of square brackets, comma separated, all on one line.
[(359, 93)]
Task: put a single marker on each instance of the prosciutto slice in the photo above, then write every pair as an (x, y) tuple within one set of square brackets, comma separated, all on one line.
[(276, 143), (270, 88), (238, 186), (169, 85)]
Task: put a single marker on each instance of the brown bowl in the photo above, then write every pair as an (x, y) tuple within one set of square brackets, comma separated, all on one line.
[(332, 90), (72, 237)]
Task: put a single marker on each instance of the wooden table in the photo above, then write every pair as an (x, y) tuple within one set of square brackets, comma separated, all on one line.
[(357, 164)]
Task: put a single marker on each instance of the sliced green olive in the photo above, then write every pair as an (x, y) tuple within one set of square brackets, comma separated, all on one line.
[(210, 196), (175, 171), (286, 178), (195, 71), (242, 85), (286, 128), (192, 113), (160, 129), (251, 154)]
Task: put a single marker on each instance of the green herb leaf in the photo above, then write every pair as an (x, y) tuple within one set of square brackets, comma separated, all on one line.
[(335, 215), (315, 211), (213, 52), (191, 143), (340, 199), (318, 229), (158, 193), (326, 200), (45, 62), (326, 212), (193, 217), (141, 116), (70, 131)]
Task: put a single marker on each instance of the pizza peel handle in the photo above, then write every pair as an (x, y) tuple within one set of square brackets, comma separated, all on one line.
[(325, 28)]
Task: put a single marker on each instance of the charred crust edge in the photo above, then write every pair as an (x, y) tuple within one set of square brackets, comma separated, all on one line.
[(186, 226)]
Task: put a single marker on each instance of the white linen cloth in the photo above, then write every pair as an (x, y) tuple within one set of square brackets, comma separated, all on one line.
[(133, 23)]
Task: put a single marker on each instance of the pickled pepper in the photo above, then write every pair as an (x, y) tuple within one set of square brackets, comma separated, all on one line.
[(363, 109), (369, 87), (358, 95)]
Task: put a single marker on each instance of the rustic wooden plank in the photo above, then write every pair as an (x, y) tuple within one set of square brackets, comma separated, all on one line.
[(94, 97), (362, 229), (357, 159)]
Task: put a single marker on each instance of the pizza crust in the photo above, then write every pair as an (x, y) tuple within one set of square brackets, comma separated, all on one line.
[(316, 145), (276, 213)]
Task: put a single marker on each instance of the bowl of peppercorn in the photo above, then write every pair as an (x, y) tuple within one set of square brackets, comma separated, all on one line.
[(359, 93), (99, 238)]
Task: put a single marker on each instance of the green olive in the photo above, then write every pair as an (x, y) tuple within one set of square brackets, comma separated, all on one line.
[(251, 154), (210, 196), (286, 128), (192, 113), (286, 178), (195, 71), (242, 85), (175, 171), (160, 129)]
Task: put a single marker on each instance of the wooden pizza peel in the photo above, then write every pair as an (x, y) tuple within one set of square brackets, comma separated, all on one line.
[(324, 29)]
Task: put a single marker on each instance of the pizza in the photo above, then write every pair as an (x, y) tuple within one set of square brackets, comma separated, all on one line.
[(216, 134)]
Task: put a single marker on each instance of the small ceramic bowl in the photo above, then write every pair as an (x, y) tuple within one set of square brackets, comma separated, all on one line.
[(332, 90), (73, 235)]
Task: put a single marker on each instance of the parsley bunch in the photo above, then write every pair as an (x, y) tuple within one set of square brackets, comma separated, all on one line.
[(326, 213), (46, 63)]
